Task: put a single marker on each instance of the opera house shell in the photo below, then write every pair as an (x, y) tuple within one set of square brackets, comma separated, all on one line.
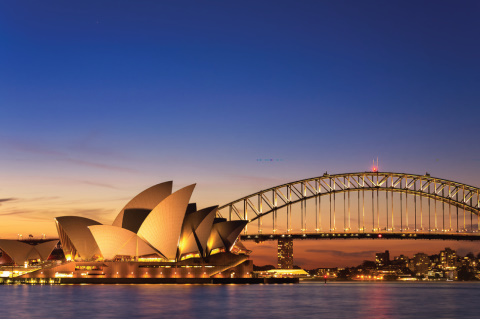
[(158, 234), (18, 252)]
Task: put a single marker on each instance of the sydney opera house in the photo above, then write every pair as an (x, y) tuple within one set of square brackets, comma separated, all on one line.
[(157, 235)]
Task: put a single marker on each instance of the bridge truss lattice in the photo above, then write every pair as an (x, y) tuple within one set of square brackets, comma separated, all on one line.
[(378, 202)]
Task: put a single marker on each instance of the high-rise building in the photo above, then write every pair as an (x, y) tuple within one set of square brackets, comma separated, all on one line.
[(421, 263), (285, 253), (448, 259), (382, 258), (400, 262)]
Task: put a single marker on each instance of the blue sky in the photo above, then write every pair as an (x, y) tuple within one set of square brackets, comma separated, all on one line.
[(100, 99)]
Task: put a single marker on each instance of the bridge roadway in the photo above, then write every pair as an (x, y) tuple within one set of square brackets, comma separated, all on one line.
[(372, 235)]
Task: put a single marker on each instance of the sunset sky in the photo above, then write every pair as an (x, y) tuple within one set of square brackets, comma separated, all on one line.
[(102, 99)]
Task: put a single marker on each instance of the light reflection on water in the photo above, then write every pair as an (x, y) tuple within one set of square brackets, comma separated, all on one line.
[(305, 300)]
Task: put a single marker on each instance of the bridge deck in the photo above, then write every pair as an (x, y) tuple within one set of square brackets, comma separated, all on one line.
[(371, 235)]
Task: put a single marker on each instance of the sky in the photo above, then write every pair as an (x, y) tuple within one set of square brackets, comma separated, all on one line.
[(102, 99)]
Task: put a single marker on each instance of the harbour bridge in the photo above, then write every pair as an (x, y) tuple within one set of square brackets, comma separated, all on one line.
[(363, 205)]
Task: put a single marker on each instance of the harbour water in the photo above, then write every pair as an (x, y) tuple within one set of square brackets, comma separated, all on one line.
[(304, 300)]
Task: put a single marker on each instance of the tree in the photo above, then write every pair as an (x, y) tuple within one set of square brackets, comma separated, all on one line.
[(344, 274), (407, 271), (465, 275), (367, 264), (390, 277)]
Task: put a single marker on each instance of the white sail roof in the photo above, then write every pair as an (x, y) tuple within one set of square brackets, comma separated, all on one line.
[(44, 249), (195, 231), (19, 251), (224, 234), (147, 199), (113, 241), (163, 225), (76, 237)]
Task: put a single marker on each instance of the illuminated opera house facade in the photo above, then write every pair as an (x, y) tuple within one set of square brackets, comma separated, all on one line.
[(158, 234)]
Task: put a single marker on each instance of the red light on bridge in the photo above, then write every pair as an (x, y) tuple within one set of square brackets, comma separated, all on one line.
[(379, 235), (325, 276), (375, 167)]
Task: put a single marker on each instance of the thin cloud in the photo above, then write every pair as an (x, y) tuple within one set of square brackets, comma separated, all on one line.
[(25, 201), (304, 262), (26, 214), (464, 250), (87, 145), (29, 147), (98, 214), (7, 200), (10, 213), (98, 184), (40, 149), (99, 165), (38, 199)]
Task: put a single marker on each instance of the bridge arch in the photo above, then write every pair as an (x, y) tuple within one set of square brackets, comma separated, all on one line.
[(460, 196)]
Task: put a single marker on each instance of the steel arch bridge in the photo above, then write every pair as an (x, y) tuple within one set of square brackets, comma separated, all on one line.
[(361, 205)]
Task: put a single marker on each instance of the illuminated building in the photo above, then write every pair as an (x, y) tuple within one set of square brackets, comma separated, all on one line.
[(448, 259), (283, 273), (285, 254), (401, 261), (421, 263), (382, 258), (158, 234)]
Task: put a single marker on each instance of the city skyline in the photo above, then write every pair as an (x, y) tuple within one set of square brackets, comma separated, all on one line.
[(101, 100), (445, 265)]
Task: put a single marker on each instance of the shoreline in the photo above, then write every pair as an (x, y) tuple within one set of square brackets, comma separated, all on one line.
[(388, 281), (80, 281)]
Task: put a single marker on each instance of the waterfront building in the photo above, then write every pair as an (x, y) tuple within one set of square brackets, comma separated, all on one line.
[(400, 262), (328, 272), (382, 259), (420, 263), (158, 234), (448, 259), (435, 261), (282, 273), (285, 253), (469, 261)]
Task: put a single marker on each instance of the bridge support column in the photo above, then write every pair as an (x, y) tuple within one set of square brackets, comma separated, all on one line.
[(285, 253)]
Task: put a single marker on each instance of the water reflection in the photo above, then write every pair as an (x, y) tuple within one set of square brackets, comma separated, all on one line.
[(306, 300)]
